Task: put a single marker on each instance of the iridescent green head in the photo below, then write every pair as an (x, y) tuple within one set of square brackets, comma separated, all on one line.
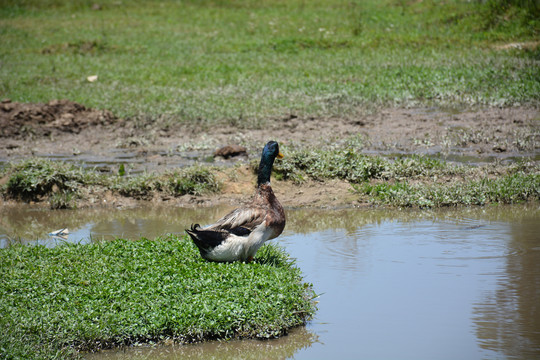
[(269, 154)]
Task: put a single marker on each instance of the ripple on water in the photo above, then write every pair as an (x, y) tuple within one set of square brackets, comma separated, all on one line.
[(393, 284)]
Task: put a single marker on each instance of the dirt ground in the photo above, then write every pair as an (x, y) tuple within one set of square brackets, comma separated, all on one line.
[(64, 130)]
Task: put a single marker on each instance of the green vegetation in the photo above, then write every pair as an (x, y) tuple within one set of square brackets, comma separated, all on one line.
[(244, 62), (349, 163), (61, 183), (31, 179), (86, 297), (401, 181), (194, 180), (508, 189), (526, 12), (416, 181)]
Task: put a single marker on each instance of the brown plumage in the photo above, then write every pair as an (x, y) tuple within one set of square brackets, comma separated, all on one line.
[(239, 234)]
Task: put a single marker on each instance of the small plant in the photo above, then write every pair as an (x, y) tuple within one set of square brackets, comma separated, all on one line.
[(62, 200), (140, 186), (509, 189), (193, 180), (30, 179)]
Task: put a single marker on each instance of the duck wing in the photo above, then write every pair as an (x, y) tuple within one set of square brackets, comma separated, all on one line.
[(241, 221)]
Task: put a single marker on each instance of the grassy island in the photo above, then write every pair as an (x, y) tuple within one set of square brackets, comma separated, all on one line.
[(59, 301)]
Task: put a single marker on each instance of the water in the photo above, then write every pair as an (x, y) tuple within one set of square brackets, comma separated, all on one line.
[(453, 284), (135, 162)]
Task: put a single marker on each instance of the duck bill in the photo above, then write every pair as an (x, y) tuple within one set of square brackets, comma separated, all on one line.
[(280, 155)]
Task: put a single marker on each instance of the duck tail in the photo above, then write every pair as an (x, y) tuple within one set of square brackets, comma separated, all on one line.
[(193, 233), (193, 230), (206, 240)]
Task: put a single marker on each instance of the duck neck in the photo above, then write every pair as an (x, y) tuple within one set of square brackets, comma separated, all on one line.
[(265, 169)]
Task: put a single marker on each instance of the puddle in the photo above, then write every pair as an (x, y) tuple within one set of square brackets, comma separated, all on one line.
[(108, 160), (27, 225), (449, 284)]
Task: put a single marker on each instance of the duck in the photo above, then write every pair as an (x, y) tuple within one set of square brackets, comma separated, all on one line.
[(238, 235)]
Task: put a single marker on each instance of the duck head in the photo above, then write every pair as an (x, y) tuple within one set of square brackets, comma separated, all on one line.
[(269, 154)]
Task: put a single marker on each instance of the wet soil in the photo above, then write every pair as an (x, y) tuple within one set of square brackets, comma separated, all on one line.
[(65, 130), (30, 121)]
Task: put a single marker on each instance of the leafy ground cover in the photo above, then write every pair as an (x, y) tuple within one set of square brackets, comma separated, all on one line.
[(58, 301), (417, 181), (244, 62), (508, 189), (61, 183)]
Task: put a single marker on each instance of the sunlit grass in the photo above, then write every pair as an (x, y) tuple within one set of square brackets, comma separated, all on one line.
[(61, 184), (87, 297), (395, 181), (508, 189), (245, 62)]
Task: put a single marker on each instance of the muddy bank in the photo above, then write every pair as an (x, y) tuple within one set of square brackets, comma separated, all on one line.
[(237, 187), (63, 127), (67, 131)]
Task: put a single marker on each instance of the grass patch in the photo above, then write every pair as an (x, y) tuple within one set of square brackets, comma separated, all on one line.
[(34, 179), (195, 180), (349, 163), (242, 63), (61, 184), (509, 189), (413, 181), (397, 181), (87, 297)]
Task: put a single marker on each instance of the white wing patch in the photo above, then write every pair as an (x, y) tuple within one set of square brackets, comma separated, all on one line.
[(240, 248)]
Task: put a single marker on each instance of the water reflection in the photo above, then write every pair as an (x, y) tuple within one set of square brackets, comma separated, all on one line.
[(282, 348), (452, 284), (30, 225), (423, 284), (508, 317)]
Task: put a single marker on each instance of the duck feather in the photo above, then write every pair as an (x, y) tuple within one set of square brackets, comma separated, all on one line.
[(239, 234)]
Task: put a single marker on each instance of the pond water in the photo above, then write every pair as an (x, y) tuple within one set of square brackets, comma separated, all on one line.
[(399, 284)]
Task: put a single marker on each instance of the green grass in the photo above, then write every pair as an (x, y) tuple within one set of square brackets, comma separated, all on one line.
[(86, 297), (508, 189), (244, 62), (195, 180), (412, 181), (397, 181), (349, 163), (30, 179), (61, 184)]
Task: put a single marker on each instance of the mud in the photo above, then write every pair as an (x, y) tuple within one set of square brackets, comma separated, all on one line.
[(68, 131), (29, 121)]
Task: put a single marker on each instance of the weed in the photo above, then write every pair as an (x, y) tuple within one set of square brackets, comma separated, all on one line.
[(349, 163), (508, 189), (61, 184), (34, 178), (194, 180), (62, 200), (140, 186)]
